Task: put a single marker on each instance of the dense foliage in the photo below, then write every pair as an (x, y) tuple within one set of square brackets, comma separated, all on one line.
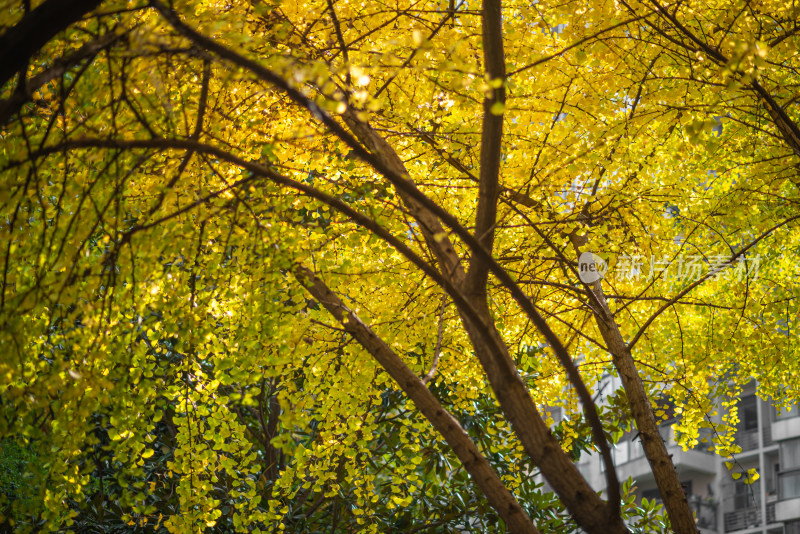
[(255, 254)]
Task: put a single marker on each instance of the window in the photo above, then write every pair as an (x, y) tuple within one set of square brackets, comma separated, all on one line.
[(748, 413), (667, 406), (745, 495), (652, 495), (555, 413), (637, 451), (686, 486), (772, 480), (790, 454), (792, 527), (789, 477), (789, 485)]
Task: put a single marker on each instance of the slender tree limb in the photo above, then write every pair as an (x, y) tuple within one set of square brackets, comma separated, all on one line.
[(437, 350), (379, 154), (19, 44), (778, 40), (450, 14), (435, 236), (666, 476), (578, 43), (507, 507), (788, 129), (10, 106), (342, 46), (395, 173), (491, 143)]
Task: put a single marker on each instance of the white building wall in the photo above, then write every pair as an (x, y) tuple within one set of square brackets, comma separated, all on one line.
[(724, 505)]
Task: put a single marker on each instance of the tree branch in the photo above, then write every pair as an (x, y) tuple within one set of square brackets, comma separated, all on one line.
[(457, 438), (19, 44), (10, 106), (491, 143), (437, 350)]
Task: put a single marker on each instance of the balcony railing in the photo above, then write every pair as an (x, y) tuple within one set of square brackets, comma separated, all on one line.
[(670, 437), (747, 439), (628, 450), (742, 519), (741, 506)]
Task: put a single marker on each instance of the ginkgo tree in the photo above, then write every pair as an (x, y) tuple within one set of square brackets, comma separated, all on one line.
[(317, 266)]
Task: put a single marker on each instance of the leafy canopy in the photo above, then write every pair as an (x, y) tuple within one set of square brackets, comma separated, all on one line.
[(164, 169)]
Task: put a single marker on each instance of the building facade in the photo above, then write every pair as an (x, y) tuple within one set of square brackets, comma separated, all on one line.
[(770, 443)]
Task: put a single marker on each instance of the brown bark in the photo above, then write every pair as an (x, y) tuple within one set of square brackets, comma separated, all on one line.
[(491, 144), (677, 506), (579, 498), (37, 28), (675, 502), (435, 235), (593, 514)]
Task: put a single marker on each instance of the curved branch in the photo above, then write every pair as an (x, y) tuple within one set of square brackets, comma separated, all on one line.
[(407, 187), (19, 44), (10, 106), (457, 438)]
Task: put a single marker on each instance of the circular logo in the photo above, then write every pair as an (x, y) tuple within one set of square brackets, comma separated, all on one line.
[(591, 267)]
